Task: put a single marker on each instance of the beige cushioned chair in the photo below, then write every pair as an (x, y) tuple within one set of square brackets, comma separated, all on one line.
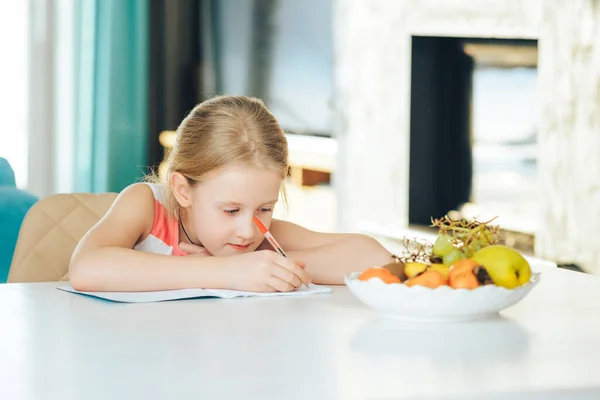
[(50, 232)]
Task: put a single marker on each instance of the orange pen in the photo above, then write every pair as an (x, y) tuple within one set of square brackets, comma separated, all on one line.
[(263, 229)]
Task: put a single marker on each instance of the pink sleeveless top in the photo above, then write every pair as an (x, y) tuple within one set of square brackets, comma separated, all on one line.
[(164, 235)]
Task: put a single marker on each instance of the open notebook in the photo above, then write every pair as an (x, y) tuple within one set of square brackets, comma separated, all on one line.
[(163, 295)]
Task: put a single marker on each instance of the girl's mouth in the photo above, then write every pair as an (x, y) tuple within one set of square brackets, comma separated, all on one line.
[(240, 247)]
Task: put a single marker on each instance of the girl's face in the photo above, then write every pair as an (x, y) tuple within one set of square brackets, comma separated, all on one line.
[(222, 207)]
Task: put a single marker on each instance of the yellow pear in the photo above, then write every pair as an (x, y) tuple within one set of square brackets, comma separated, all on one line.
[(412, 269), (505, 265)]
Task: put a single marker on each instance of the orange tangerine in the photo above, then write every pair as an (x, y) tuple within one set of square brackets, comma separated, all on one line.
[(463, 280), (430, 278), (461, 266), (382, 273)]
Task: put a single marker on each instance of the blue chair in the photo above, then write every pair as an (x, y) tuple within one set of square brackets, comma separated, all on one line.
[(14, 204)]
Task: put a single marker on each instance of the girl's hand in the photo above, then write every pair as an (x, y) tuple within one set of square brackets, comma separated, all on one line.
[(193, 250), (265, 271)]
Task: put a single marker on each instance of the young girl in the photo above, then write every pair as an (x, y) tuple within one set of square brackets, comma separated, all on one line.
[(228, 165)]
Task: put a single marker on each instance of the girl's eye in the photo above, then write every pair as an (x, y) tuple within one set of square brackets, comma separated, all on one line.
[(266, 210), (231, 212)]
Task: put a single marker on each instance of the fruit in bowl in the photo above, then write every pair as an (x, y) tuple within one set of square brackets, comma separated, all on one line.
[(480, 278), (496, 264), (465, 255)]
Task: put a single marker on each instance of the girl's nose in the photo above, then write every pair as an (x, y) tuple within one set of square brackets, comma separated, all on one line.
[(246, 228)]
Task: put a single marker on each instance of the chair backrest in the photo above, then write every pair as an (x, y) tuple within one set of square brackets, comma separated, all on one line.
[(50, 232)]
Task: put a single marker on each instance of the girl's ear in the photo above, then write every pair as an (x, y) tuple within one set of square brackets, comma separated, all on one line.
[(182, 190)]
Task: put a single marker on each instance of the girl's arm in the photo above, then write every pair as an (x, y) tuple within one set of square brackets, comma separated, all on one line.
[(329, 256), (105, 260), (295, 237), (327, 264)]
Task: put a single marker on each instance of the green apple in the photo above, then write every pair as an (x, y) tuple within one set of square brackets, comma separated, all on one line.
[(505, 265)]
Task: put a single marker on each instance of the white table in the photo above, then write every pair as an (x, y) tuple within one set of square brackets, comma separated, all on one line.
[(57, 345)]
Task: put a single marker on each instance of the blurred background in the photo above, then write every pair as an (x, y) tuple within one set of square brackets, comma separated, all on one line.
[(92, 91)]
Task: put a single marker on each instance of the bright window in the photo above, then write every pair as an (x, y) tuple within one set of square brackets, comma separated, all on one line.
[(13, 86)]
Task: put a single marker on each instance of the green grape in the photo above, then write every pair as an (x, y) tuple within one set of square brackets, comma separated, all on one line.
[(487, 237), (452, 257), (484, 238), (475, 246), (442, 246)]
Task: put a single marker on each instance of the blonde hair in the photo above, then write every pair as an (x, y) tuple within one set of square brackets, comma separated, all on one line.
[(224, 130)]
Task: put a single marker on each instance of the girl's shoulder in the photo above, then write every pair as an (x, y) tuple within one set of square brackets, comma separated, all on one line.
[(131, 214), (151, 197), (159, 191), (161, 234), (138, 202), (140, 193)]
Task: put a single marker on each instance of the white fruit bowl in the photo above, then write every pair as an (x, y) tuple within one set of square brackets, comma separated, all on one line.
[(419, 303)]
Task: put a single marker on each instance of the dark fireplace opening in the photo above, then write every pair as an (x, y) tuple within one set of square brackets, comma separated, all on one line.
[(473, 129)]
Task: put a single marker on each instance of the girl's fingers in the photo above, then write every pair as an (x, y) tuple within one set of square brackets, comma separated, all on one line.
[(279, 285), (287, 277), (297, 268)]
